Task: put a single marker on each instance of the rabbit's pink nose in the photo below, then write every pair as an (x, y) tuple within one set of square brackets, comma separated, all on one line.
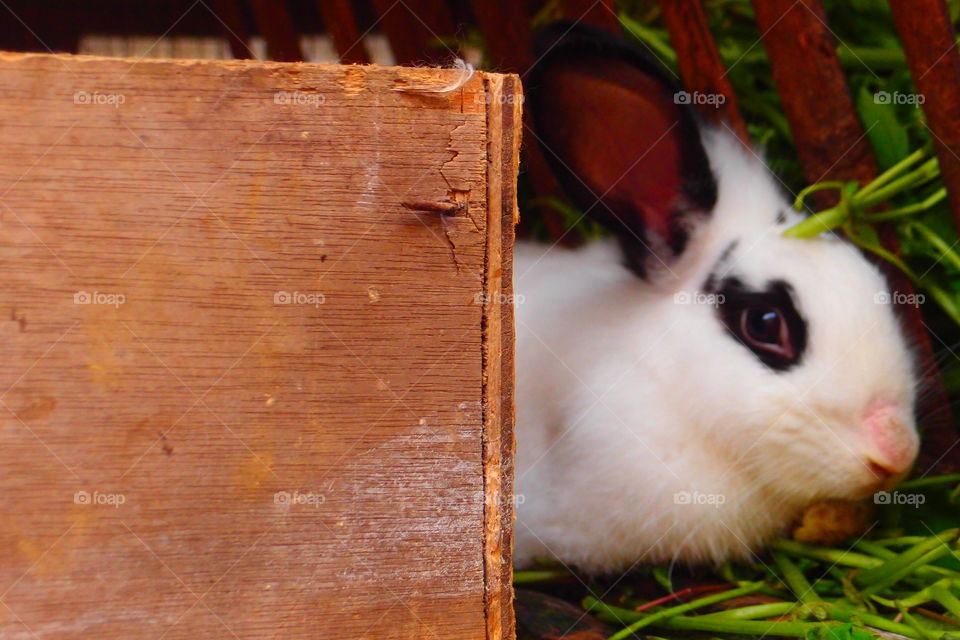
[(892, 442)]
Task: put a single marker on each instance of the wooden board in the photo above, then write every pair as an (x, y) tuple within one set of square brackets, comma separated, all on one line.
[(700, 64), (244, 392)]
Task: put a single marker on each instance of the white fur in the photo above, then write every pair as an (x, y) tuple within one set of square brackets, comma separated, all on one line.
[(627, 398)]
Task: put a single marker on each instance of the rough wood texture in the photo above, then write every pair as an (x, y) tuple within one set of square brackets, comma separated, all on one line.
[(700, 63), (832, 145), (498, 452), (930, 43), (285, 426)]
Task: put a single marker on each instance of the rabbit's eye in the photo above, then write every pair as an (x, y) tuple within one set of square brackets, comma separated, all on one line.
[(765, 321), (764, 328)]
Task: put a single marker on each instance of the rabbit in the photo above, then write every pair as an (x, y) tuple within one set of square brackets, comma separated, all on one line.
[(687, 386)]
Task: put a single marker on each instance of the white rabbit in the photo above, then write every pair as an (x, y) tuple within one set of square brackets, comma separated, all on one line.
[(685, 389)]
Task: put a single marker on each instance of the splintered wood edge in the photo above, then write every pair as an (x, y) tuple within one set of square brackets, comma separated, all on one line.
[(350, 74), (503, 97)]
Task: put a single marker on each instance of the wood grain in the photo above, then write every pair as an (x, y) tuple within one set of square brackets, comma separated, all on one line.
[(276, 390), (504, 114)]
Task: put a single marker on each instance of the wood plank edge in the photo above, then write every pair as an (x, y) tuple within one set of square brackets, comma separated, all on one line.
[(234, 64), (503, 95)]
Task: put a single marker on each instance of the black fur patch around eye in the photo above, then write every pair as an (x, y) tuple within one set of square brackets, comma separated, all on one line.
[(719, 267), (734, 297)]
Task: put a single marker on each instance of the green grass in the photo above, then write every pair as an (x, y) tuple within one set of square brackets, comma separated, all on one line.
[(902, 578)]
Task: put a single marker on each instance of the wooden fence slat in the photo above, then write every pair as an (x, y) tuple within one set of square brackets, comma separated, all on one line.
[(506, 30), (412, 26), (229, 15), (832, 145), (341, 24), (42, 28), (700, 63), (277, 28), (599, 13), (930, 43), (829, 138)]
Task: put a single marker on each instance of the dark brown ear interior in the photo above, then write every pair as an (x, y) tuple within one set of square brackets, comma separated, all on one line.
[(626, 150)]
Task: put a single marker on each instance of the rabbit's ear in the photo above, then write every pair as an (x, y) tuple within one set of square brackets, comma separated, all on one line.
[(621, 138)]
